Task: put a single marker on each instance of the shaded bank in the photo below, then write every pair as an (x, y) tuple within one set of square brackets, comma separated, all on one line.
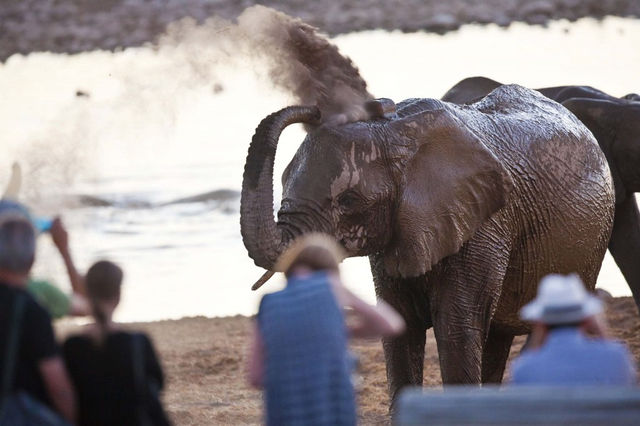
[(73, 26), (204, 360)]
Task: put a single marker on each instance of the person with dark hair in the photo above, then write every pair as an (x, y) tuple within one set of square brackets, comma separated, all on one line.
[(31, 369), (299, 350), (116, 373), (568, 345)]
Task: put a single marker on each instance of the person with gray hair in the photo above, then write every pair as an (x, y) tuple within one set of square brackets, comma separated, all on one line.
[(568, 345), (31, 368)]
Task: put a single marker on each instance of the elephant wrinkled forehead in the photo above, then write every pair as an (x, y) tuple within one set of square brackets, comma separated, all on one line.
[(333, 156)]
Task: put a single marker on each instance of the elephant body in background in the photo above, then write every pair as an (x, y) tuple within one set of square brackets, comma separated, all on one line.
[(615, 123), (461, 210)]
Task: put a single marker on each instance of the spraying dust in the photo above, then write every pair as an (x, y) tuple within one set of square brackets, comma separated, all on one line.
[(297, 57), (145, 103)]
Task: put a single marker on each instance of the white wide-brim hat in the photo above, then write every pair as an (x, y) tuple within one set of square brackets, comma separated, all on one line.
[(561, 299)]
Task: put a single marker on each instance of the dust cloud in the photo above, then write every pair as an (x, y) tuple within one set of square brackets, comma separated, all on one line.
[(114, 114), (293, 55)]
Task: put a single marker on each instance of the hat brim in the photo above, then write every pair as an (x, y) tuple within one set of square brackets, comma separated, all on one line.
[(536, 311), (287, 258)]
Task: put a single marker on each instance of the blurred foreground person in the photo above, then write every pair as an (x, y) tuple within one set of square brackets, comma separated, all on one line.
[(116, 373), (299, 350), (568, 343), (47, 294), (32, 373)]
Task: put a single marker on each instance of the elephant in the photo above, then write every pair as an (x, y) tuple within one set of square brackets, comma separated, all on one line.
[(615, 123), (460, 209)]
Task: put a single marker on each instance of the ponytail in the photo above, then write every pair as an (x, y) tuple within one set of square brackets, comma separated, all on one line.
[(103, 282), (101, 321)]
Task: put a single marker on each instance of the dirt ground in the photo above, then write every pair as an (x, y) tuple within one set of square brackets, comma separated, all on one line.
[(204, 359), (80, 25)]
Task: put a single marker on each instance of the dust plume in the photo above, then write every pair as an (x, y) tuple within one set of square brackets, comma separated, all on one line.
[(297, 58)]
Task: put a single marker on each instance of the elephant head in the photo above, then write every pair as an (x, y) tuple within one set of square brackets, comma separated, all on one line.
[(412, 185)]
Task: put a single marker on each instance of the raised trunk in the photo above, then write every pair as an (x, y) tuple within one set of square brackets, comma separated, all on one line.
[(260, 234)]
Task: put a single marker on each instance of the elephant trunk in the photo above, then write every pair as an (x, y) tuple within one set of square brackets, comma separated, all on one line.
[(261, 236)]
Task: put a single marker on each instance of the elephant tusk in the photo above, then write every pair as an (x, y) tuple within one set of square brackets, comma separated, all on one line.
[(15, 181), (263, 279)]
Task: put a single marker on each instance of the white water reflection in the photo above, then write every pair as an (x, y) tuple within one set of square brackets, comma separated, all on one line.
[(150, 131)]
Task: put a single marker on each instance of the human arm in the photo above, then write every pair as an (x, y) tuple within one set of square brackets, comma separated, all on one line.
[(370, 320), (60, 238), (79, 306), (255, 366), (537, 337), (58, 386)]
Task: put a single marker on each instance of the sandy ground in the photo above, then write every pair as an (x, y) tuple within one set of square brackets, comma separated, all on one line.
[(80, 25), (204, 361)]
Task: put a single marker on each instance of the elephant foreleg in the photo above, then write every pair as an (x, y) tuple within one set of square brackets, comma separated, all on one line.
[(624, 244), (494, 355), (404, 355), (463, 300), (405, 360)]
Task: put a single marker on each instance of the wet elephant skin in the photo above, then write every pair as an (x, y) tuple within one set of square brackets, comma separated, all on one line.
[(461, 210)]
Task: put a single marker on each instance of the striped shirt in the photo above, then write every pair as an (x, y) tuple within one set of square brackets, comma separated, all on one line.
[(307, 373)]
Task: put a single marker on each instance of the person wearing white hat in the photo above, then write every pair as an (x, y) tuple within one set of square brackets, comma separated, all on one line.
[(569, 344)]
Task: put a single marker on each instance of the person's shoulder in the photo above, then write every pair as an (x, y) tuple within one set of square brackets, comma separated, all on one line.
[(611, 348), (139, 335), (78, 337), (525, 368), (524, 359), (122, 336), (37, 285), (75, 341), (270, 297), (603, 344), (33, 309), (529, 360)]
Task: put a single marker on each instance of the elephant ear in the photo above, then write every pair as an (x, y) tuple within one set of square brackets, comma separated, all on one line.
[(451, 183)]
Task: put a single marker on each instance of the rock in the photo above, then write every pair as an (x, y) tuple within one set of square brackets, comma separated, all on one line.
[(536, 19), (80, 25), (442, 22), (603, 295), (538, 8)]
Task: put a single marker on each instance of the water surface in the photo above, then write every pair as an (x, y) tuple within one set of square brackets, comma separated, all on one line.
[(154, 128)]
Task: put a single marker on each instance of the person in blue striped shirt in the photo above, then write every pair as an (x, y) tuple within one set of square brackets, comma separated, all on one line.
[(299, 351)]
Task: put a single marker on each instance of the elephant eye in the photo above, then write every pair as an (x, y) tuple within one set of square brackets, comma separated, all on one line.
[(348, 199)]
